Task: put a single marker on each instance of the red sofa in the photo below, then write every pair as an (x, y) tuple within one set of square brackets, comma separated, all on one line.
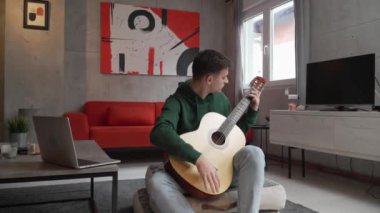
[(115, 124)]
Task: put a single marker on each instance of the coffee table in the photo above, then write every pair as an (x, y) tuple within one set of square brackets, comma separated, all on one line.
[(29, 168)]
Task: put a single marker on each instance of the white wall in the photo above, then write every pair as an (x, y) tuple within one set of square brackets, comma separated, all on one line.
[(251, 3)]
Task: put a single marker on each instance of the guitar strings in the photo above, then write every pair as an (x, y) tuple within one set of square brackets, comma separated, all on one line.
[(257, 86), (234, 116)]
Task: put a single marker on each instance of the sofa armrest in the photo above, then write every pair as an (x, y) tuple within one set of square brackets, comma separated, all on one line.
[(79, 125)]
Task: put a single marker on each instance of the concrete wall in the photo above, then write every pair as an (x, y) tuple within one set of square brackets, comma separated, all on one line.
[(83, 80), (59, 69), (34, 61), (343, 28), (339, 28), (2, 44)]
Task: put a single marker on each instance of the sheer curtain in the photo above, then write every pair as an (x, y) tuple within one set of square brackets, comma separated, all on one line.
[(237, 53), (302, 37)]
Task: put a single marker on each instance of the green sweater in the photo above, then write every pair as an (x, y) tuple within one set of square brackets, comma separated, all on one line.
[(183, 112)]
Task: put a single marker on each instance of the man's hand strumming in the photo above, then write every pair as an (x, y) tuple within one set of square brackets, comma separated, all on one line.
[(208, 173)]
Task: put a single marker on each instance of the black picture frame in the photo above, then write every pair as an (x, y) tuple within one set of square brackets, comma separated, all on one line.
[(36, 14)]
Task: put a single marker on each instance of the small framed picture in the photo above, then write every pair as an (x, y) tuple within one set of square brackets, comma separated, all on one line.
[(36, 14)]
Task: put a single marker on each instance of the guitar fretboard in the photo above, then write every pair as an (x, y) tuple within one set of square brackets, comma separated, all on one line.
[(256, 84), (234, 116)]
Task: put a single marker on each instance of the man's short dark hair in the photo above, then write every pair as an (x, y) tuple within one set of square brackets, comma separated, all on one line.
[(209, 62)]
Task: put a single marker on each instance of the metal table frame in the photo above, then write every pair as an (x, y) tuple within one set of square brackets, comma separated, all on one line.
[(114, 176), (265, 128), (31, 168)]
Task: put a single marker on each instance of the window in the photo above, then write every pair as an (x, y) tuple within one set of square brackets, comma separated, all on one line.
[(253, 51), (269, 42)]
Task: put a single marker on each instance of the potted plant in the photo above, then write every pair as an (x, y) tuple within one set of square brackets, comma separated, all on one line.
[(18, 129)]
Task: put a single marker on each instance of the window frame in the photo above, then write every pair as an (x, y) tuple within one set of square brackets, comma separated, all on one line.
[(265, 9)]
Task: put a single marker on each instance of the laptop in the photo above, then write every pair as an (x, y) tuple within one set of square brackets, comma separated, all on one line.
[(58, 147)]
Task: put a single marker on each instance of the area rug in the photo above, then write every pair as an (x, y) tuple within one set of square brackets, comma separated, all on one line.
[(102, 191)]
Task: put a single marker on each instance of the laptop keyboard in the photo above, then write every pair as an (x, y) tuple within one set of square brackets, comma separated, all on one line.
[(83, 162)]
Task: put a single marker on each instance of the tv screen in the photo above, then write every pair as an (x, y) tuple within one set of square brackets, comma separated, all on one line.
[(345, 81)]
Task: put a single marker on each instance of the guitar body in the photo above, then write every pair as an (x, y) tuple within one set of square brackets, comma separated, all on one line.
[(221, 156), (218, 139)]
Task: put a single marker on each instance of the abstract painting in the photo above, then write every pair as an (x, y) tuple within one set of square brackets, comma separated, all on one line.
[(147, 41), (36, 14)]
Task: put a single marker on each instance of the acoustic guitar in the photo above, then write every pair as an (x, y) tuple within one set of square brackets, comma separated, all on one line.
[(218, 138)]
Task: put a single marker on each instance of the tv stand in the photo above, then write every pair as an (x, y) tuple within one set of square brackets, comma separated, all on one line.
[(340, 108), (352, 134), (343, 108)]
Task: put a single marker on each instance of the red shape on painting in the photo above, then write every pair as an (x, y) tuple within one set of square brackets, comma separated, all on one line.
[(161, 66), (40, 11), (150, 61), (133, 73), (106, 56), (183, 24)]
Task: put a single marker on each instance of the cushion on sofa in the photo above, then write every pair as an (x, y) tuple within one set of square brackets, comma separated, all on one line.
[(79, 125), (159, 106), (97, 111), (115, 124), (133, 115), (121, 136)]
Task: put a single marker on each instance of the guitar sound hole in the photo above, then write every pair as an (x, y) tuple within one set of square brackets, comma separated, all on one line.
[(218, 138)]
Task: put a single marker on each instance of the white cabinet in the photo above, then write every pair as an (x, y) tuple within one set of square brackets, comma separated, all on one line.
[(353, 134)]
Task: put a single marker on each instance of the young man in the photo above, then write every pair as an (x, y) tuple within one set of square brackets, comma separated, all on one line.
[(182, 113)]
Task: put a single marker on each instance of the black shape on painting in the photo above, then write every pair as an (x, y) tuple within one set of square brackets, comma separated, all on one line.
[(185, 60), (121, 62), (164, 18), (32, 16), (148, 15)]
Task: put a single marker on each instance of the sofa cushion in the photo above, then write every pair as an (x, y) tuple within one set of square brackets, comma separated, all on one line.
[(79, 125), (134, 115), (97, 111), (159, 106), (121, 136)]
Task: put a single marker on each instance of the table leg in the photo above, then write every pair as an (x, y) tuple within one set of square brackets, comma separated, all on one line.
[(289, 162), (282, 156), (92, 188), (114, 193), (92, 199), (303, 163), (266, 150)]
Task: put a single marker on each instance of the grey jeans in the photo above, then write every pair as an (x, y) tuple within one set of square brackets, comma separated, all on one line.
[(166, 196)]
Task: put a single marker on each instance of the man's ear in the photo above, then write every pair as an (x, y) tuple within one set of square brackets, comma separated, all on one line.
[(209, 79)]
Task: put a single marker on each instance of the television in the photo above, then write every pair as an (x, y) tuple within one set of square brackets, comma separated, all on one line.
[(341, 82)]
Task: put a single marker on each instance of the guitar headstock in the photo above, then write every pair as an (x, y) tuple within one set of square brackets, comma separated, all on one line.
[(257, 83)]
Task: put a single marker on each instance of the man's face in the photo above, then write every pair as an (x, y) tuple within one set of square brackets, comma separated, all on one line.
[(219, 80)]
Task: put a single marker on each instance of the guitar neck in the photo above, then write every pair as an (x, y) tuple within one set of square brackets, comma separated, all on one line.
[(234, 116), (256, 84)]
